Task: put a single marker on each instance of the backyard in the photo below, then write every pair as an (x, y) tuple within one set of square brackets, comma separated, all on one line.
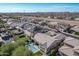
[(19, 46), (39, 53), (76, 33)]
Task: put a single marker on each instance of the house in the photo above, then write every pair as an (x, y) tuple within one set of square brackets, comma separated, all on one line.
[(28, 26), (17, 24), (27, 33), (1, 41), (72, 42), (51, 33), (9, 21), (75, 29), (77, 19), (46, 42), (48, 17), (17, 31), (76, 51), (5, 36), (34, 28), (52, 23), (66, 51), (70, 47), (4, 19)]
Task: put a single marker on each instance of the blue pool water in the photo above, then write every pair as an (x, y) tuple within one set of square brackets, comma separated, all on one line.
[(34, 49)]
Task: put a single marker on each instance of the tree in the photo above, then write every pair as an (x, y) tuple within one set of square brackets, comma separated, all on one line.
[(6, 49), (20, 42), (22, 51)]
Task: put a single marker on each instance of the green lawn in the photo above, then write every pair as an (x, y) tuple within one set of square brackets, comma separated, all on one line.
[(53, 52), (18, 37), (39, 53), (76, 33), (22, 37)]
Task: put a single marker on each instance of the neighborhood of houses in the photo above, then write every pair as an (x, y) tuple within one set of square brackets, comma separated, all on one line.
[(52, 38)]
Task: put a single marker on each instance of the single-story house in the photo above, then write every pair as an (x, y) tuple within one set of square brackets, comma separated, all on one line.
[(77, 19), (76, 51), (47, 42), (27, 32), (1, 40), (17, 24), (51, 33), (66, 51), (75, 29), (70, 47)]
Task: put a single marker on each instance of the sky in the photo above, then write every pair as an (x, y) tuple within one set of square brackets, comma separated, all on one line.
[(39, 7)]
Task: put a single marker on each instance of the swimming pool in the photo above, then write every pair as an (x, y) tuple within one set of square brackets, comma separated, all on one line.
[(33, 48)]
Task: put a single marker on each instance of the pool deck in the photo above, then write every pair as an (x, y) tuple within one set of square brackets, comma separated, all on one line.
[(33, 47)]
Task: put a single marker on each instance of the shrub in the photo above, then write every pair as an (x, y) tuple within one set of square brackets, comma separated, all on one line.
[(21, 51)]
